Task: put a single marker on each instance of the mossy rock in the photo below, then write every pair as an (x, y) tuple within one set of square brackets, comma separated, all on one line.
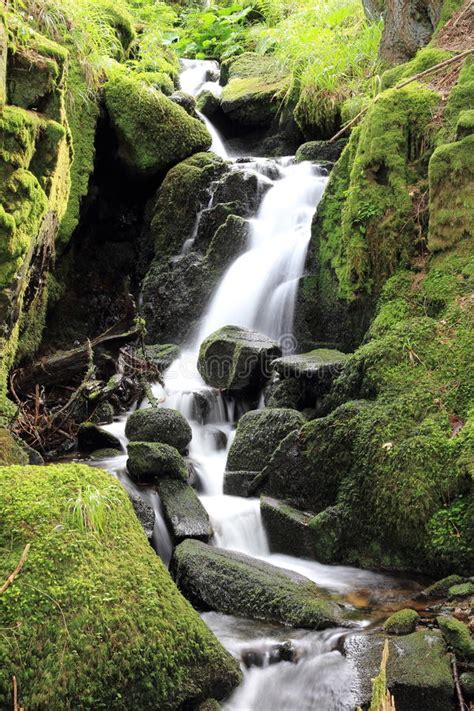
[(75, 597), (467, 684), (440, 588), (322, 364), (160, 356), (457, 636), (235, 358), (159, 424), (233, 583), (252, 96), (185, 515), (401, 622), (106, 453), (461, 590), (154, 133), (418, 669), (258, 435), (317, 151), (148, 462), (10, 450), (451, 173)]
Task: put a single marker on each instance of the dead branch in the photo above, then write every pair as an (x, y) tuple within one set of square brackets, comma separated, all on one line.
[(17, 570), (457, 685), (420, 75)]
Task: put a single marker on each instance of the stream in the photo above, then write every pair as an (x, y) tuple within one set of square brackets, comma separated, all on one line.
[(322, 678)]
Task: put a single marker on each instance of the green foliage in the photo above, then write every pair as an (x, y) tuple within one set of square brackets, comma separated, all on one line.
[(215, 32), (90, 509)]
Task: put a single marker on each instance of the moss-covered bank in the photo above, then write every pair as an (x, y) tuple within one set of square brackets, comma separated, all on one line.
[(94, 619)]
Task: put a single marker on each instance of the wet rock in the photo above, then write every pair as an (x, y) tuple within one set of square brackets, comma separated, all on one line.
[(185, 515), (321, 364), (302, 533), (108, 453), (217, 438), (258, 435), (149, 462), (208, 103), (159, 424), (211, 219), (418, 669), (236, 584), (236, 359), (144, 512), (457, 636), (290, 392), (229, 241), (273, 654), (242, 187), (209, 705), (186, 101), (401, 622), (317, 151), (91, 437)]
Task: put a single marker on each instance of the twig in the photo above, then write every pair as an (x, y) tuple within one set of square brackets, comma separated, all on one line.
[(431, 70), (462, 13), (462, 703), (17, 570)]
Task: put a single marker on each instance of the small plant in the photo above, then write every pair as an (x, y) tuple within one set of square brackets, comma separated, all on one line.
[(88, 512)]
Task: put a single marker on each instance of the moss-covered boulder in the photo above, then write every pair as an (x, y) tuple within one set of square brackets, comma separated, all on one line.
[(320, 364), (233, 583), (159, 424), (236, 359), (318, 151), (440, 588), (461, 590), (467, 684), (148, 462), (251, 96), (154, 133), (418, 669), (457, 636), (90, 578), (258, 435), (185, 515), (401, 622)]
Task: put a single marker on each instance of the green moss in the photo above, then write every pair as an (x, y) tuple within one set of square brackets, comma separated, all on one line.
[(154, 133), (440, 588), (23, 206), (457, 636), (151, 461), (157, 80), (451, 173), (461, 590), (108, 638), (425, 58), (10, 450), (401, 622), (449, 7)]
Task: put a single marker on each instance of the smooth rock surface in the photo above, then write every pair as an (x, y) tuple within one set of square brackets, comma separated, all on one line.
[(233, 583), (185, 515)]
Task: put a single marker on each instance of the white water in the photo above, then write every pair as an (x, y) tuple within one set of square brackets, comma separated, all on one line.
[(257, 291), (195, 78)]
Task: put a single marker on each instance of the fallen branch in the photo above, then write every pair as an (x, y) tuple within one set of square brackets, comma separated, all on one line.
[(457, 685), (17, 570), (420, 75), (16, 705)]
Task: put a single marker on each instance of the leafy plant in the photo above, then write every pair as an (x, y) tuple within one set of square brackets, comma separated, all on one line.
[(90, 509)]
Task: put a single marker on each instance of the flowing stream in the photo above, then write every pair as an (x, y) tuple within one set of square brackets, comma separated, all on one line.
[(258, 291)]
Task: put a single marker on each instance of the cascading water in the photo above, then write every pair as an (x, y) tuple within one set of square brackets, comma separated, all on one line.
[(322, 678)]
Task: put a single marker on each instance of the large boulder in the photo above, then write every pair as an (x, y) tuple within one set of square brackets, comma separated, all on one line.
[(153, 132), (418, 669), (185, 515), (90, 579), (148, 462), (159, 424), (258, 434), (321, 365), (233, 583), (302, 533), (236, 359), (320, 151), (252, 96)]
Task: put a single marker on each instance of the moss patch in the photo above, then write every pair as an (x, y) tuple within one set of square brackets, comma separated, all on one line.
[(77, 615)]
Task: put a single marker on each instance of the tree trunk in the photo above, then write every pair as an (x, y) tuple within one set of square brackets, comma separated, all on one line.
[(408, 25)]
